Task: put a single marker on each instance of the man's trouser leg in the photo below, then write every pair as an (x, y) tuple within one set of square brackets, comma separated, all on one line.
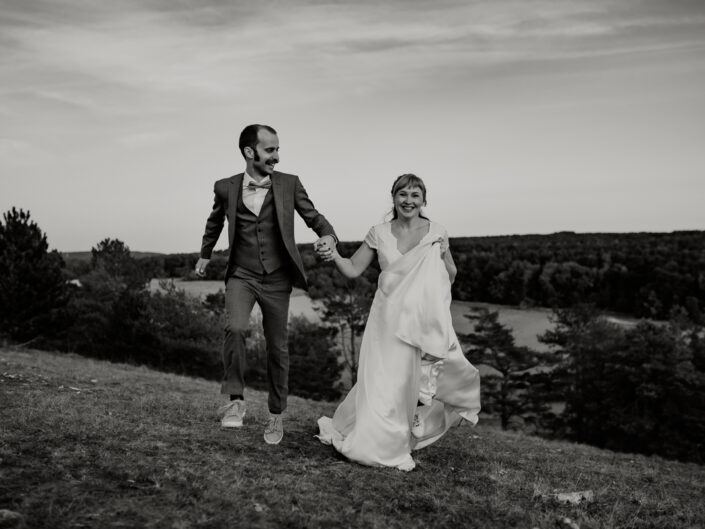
[(273, 299), (240, 296)]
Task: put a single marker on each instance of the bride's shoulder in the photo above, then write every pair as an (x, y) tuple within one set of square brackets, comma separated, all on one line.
[(381, 227), (437, 229)]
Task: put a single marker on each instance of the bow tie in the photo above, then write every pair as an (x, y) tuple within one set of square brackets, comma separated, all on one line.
[(263, 185)]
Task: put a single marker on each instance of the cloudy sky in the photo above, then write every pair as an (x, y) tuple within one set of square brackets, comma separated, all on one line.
[(521, 116)]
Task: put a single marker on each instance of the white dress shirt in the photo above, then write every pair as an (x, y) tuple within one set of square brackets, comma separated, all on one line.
[(254, 198)]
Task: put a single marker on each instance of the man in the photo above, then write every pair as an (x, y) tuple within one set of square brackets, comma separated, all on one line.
[(263, 265)]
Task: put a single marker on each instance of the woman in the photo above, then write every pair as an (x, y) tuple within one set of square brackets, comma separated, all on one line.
[(413, 381)]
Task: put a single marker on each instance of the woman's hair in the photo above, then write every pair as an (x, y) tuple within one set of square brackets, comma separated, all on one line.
[(407, 180)]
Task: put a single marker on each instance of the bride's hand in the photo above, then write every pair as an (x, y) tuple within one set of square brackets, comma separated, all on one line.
[(330, 255), (443, 242)]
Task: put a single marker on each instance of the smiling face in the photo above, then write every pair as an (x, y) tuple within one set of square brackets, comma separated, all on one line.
[(264, 156), (408, 202)]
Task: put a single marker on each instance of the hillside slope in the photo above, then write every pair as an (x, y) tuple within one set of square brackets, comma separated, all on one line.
[(85, 443)]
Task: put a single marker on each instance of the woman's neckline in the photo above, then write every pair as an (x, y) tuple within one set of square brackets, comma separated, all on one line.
[(396, 239)]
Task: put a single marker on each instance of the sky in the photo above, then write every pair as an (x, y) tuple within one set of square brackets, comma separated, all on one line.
[(531, 116)]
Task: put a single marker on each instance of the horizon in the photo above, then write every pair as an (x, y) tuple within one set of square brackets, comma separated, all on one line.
[(522, 117), (561, 232)]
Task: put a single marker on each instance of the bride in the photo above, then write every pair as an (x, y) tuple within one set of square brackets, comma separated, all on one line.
[(413, 381)]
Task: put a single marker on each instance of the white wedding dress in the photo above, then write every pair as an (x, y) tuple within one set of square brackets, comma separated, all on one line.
[(409, 354)]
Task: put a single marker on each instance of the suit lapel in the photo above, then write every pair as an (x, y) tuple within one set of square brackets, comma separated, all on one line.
[(284, 206), (279, 194)]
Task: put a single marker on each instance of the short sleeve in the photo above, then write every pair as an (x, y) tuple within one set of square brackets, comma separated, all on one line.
[(440, 230), (371, 238)]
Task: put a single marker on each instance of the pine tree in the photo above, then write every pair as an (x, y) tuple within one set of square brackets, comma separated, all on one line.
[(32, 286), (639, 390), (513, 388)]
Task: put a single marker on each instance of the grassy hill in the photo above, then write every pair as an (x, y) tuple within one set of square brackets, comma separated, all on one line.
[(85, 443)]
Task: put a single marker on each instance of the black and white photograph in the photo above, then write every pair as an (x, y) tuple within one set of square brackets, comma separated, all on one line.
[(352, 264)]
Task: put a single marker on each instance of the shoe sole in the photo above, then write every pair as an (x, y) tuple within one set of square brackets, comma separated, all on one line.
[(231, 425), (273, 442)]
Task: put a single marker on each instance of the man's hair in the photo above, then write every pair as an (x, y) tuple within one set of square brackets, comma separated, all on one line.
[(248, 136)]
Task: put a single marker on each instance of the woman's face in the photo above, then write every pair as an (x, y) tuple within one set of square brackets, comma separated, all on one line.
[(408, 202)]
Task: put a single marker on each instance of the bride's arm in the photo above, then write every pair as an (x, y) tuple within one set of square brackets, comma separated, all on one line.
[(447, 258), (354, 266), (450, 266)]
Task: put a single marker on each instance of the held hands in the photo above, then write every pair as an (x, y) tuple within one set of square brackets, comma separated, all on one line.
[(201, 267), (325, 248)]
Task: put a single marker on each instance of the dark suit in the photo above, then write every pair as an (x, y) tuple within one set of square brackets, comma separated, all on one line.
[(270, 288)]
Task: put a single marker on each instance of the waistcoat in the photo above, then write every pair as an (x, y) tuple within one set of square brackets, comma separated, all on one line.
[(258, 245)]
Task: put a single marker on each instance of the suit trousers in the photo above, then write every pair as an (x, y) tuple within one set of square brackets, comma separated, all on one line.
[(271, 292)]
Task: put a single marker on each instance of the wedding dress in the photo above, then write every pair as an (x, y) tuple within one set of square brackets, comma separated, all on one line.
[(409, 354)]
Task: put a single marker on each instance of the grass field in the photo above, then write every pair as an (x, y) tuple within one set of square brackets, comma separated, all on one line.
[(85, 443)]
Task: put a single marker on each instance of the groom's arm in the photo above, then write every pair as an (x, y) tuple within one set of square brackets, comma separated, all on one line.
[(308, 212), (214, 224)]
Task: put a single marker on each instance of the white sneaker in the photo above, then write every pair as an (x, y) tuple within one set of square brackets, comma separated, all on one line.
[(274, 431), (234, 414), (417, 425)]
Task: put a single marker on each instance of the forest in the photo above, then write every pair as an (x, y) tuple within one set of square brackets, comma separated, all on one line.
[(645, 275)]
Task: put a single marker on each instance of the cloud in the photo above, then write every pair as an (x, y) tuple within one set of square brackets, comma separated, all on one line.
[(225, 50)]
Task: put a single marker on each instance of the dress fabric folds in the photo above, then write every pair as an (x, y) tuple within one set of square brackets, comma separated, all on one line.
[(409, 353)]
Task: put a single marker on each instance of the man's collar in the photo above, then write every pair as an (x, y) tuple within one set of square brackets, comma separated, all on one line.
[(246, 179)]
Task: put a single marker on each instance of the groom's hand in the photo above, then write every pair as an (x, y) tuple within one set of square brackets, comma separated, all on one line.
[(324, 247), (201, 267)]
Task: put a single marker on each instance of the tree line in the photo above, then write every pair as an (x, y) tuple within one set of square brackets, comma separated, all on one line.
[(646, 275)]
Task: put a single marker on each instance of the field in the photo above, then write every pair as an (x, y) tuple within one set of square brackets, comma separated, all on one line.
[(85, 444)]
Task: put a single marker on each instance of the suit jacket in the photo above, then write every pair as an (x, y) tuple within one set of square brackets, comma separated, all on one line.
[(289, 196)]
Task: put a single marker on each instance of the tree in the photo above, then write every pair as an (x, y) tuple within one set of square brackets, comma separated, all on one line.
[(582, 342), (314, 370), (32, 285), (640, 389), (188, 333), (113, 256), (510, 286), (508, 390), (344, 303), (658, 394), (109, 311)]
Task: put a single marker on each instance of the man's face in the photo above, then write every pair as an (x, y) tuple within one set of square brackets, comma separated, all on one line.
[(265, 155)]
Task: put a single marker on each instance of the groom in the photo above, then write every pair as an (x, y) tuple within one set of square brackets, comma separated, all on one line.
[(263, 265)]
